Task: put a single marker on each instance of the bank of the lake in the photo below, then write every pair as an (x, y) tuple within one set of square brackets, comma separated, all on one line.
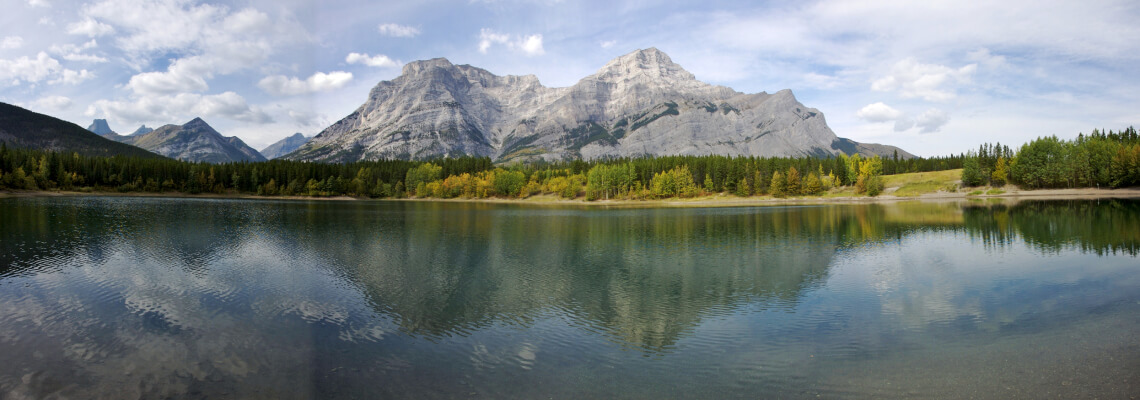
[(716, 200)]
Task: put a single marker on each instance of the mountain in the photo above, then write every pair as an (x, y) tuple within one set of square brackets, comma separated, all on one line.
[(195, 141), (141, 131), (23, 128), (284, 146), (100, 127), (638, 104)]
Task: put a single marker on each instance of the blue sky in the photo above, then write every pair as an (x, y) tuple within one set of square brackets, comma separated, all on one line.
[(933, 77)]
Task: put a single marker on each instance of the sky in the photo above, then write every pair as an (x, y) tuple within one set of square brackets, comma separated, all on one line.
[(932, 77)]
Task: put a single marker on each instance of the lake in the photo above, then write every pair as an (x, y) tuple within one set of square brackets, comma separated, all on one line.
[(111, 297)]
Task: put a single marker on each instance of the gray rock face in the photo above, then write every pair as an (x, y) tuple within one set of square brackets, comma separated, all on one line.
[(284, 146), (638, 104), (101, 128), (195, 141), (142, 131)]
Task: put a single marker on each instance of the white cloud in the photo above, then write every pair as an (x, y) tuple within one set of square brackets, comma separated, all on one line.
[(43, 67), (180, 77), (530, 45), (39, 3), (168, 108), (72, 77), (396, 30), (280, 85), (608, 43), (379, 60), (308, 118), (54, 103), (879, 112), (11, 42), (913, 79), (212, 39), (488, 37), (932, 120), (90, 27), (71, 52)]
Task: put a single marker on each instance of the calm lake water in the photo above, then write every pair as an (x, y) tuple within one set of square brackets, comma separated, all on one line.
[(151, 297)]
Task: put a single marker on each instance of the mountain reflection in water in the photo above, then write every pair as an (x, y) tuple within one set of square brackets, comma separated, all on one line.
[(122, 297)]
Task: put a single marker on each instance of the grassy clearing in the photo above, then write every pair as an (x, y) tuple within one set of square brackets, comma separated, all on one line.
[(918, 183), (845, 191), (945, 177), (994, 191), (975, 193)]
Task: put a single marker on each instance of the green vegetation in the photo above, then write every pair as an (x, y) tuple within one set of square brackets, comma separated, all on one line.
[(919, 183), (23, 128), (1101, 159), (463, 177)]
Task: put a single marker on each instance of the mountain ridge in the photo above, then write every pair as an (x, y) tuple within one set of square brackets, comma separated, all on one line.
[(284, 146), (641, 103), (194, 141), (25, 128)]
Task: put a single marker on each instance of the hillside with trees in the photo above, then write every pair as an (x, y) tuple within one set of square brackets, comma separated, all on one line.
[(28, 129)]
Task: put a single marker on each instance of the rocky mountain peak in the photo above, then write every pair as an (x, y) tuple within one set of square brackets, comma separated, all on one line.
[(197, 123), (194, 141), (648, 63), (143, 129), (641, 103), (100, 127), (417, 67)]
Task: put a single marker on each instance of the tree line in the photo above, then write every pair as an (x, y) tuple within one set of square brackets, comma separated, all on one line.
[(471, 177), (1100, 159)]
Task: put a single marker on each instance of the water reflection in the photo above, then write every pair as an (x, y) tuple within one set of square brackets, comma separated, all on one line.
[(165, 297)]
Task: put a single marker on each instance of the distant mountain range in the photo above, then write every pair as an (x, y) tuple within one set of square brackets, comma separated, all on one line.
[(638, 104), (23, 128), (141, 131), (284, 146), (194, 141)]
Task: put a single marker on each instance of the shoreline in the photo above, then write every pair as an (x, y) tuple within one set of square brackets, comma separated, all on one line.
[(716, 200)]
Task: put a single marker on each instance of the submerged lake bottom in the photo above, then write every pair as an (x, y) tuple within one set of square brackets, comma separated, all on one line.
[(212, 298)]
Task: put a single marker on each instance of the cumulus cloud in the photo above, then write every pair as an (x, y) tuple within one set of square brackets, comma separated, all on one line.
[(396, 30), (43, 67), (180, 77), (307, 118), (913, 79), (90, 27), (530, 45), (72, 77), (216, 40), (54, 103), (166, 108), (379, 60), (879, 112), (11, 42), (929, 121), (281, 85), (71, 52), (932, 120)]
